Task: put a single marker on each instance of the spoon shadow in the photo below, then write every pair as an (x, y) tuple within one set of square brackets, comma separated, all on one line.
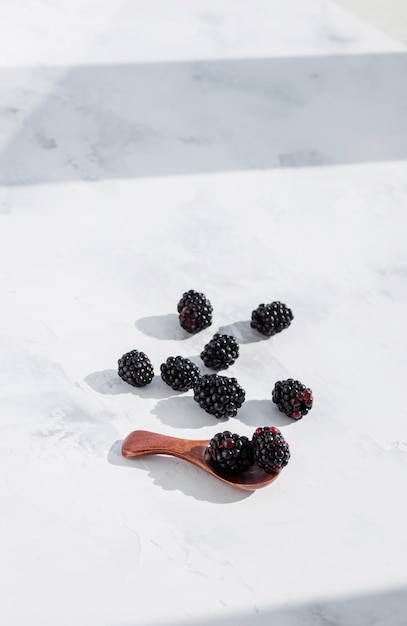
[(172, 474)]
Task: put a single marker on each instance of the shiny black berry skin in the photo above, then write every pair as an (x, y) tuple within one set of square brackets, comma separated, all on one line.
[(292, 398), (271, 451), (231, 452), (179, 373), (135, 368), (270, 319), (195, 311), (220, 352), (218, 395)]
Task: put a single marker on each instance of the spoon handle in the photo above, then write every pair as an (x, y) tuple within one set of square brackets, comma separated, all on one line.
[(143, 442)]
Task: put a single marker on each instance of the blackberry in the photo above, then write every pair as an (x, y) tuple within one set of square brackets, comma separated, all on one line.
[(270, 319), (292, 398), (195, 311), (180, 374), (220, 352), (219, 395), (232, 452), (271, 451), (136, 369)]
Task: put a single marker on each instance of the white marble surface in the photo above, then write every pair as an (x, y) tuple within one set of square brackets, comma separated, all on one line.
[(253, 151)]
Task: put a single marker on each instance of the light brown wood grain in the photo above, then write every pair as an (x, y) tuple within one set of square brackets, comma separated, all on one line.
[(143, 442)]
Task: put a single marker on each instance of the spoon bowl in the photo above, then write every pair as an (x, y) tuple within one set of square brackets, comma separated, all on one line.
[(143, 442)]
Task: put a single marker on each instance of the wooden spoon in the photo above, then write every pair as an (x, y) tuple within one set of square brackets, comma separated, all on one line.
[(143, 442)]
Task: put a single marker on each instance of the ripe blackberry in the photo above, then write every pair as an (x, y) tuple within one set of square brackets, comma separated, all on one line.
[(195, 311), (232, 452), (180, 374), (292, 398), (270, 319), (219, 395), (136, 369), (271, 451), (220, 352)]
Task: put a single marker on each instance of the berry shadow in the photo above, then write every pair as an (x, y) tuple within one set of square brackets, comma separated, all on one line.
[(183, 412), (196, 359), (242, 332), (109, 382), (162, 327), (172, 474), (256, 413)]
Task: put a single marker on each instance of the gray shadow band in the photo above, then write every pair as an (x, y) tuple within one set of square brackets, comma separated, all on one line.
[(177, 118)]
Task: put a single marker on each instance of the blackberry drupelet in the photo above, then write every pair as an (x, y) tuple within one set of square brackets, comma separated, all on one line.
[(292, 398), (271, 451), (136, 369), (232, 452), (220, 352), (179, 373), (195, 311), (218, 395), (270, 319)]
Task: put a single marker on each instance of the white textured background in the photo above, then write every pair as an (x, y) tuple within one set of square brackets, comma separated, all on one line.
[(252, 151)]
